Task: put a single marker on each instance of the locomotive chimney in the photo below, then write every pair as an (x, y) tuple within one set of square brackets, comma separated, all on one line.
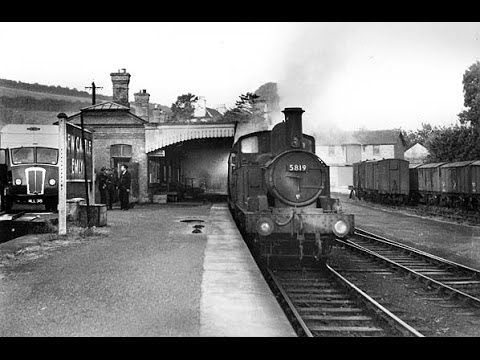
[(293, 126)]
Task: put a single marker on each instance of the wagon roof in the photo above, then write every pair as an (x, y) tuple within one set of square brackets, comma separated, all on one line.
[(457, 164), (414, 166), (431, 165), (475, 163)]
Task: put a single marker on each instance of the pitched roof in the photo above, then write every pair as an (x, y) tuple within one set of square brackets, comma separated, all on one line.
[(360, 137), (214, 114), (108, 105), (379, 137)]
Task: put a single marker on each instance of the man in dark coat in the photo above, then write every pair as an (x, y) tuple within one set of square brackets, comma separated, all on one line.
[(111, 184), (124, 187), (102, 185)]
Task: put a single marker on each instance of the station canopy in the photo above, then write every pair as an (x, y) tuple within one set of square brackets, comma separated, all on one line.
[(159, 137)]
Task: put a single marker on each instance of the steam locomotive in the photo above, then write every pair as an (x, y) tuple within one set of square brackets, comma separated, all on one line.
[(279, 195)]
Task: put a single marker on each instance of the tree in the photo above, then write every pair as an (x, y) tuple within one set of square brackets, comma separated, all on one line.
[(456, 143), (420, 136), (183, 108), (250, 107), (471, 91)]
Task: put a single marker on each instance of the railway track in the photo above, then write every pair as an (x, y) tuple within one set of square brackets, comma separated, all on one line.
[(454, 279), (324, 303)]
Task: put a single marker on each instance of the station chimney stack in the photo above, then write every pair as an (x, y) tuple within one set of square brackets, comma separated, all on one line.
[(141, 104), (120, 81)]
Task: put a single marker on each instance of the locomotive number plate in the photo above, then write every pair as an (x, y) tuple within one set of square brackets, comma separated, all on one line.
[(297, 167)]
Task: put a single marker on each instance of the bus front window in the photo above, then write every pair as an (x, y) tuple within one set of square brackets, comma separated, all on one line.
[(47, 156), (23, 155)]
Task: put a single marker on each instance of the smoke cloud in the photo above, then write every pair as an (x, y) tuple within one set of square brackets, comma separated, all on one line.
[(313, 56)]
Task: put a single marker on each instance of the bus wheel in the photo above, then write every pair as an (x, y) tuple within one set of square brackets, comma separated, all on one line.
[(51, 204), (54, 204), (8, 204)]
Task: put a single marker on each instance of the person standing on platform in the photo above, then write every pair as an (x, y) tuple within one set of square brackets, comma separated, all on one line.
[(102, 185), (124, 187), (111, 184)]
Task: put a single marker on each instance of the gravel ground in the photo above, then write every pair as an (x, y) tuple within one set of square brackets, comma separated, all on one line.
[(432, 314), (421, 307), (127, 279), (447, 239)]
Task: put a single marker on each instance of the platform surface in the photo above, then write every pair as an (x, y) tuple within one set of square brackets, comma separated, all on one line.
[(236, 300), (149, 275)]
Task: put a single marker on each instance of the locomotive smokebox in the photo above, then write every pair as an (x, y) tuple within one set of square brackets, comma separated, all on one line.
[(293, 126)]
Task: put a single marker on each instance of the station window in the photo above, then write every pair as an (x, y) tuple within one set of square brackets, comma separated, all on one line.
[(249, 145), (121, 150), (156, 173), (376, 149)]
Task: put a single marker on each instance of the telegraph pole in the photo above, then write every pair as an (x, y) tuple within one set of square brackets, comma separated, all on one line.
[(93, 87)]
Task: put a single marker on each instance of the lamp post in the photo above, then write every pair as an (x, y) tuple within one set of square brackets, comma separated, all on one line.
[(85, 170), (62, 174)]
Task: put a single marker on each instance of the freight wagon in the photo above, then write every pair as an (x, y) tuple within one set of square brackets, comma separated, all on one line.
[(385, 180)]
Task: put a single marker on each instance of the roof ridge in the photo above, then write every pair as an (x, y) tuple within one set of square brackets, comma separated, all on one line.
[(102, 106)]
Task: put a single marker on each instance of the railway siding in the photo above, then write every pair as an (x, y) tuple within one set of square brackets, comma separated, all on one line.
[(449, 240), (429, 311)]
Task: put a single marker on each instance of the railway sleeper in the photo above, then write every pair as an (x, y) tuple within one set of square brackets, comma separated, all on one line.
[(337, 318), (324, 310), (308, 302), (328, 297), (347, 329), (313, 291)]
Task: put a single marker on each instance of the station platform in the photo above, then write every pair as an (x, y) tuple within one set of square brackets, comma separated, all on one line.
[(179, 269), (13, 225), (456, 242), (236, 300)]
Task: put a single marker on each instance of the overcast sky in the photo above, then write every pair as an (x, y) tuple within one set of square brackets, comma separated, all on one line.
[(348, 75)]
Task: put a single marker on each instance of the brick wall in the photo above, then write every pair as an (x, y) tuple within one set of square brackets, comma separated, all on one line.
[(104, 138), (111, 128)]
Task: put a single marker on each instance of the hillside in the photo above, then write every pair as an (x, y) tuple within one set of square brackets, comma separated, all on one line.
[(39, 104)]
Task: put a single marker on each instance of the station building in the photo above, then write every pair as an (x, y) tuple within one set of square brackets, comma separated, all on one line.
[(162, 156)]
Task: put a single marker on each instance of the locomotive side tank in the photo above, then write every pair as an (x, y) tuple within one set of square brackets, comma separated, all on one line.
[(279, 195)]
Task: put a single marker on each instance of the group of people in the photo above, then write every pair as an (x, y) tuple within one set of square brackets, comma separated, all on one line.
[(109, 183)]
